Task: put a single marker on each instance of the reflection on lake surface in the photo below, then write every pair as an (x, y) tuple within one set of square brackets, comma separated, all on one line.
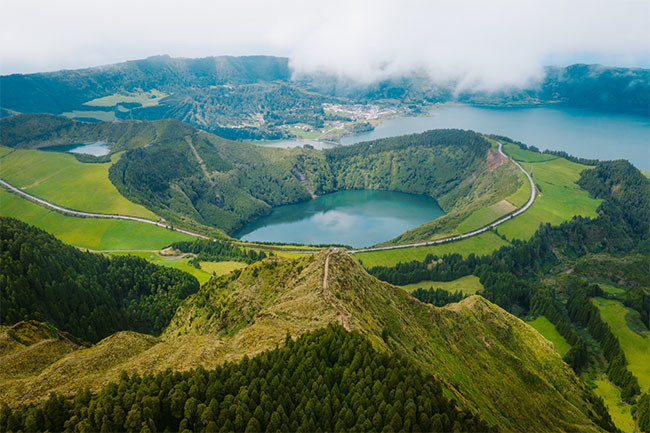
[(581, 133), (356, 218), (98, 148)]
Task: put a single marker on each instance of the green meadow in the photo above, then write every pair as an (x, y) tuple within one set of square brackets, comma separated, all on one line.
[(61, 179), (468, 285), (146, 99), (548, 330), (485, 216), (559, 197), (635, 345), (221, 268), (92, 233), (617, 408), (481, 244)]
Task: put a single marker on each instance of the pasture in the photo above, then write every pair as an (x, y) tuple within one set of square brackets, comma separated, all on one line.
[(636, 346), (468, 285), (61, 179), (559, 197), (92, 233), (481, 244)]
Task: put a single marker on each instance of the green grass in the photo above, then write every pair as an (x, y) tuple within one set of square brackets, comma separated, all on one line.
[(93, 233), (61, 179), (521, 155), (469, 285), (221, 268), (5, 150), (106, 116), (146, 99), (169, 261), (616, 291), (520, 198), (635, 346), (485, 216), (547, 329), (482, 244), (618, 410), (558, 201)]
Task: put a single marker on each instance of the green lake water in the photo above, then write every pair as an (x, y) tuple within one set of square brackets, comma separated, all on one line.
[(355, 218)]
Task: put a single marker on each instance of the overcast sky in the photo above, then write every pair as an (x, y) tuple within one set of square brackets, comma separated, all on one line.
[(487, 43)]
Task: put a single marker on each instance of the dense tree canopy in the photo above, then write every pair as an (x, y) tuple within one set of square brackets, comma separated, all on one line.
[(89, 295)]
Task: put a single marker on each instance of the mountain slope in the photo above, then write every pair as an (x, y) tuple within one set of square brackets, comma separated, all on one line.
[(494, 363)]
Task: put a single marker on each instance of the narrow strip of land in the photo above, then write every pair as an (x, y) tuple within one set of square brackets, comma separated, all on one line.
[(343, 318), (519, 211), (83, 214)]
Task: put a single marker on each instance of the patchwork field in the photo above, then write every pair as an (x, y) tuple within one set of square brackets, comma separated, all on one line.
[(636, 346), (93, 233), (469, 285), (59, 178), (481, 244), (548, 330)]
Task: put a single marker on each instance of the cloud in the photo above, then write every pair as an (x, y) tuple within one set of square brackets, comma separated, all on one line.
[(481, 44)]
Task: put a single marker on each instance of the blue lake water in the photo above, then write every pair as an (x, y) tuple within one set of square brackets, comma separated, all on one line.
[(98, 148), (356, 218), (578, 132)]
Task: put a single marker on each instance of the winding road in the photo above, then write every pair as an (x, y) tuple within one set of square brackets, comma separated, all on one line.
[(77, 213), (519, 211)]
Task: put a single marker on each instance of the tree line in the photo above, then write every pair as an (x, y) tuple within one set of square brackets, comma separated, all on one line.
[(87, 294), (217, 251)]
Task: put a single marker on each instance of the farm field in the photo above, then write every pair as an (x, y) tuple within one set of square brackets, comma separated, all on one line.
[(559, 197), (92, 233), (617, 408), (547, 329), (59, 178), (481, 244), (468, 285), (635, 346)]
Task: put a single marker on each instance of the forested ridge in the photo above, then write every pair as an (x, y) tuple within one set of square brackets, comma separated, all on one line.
[(329, 380), (87, 294)]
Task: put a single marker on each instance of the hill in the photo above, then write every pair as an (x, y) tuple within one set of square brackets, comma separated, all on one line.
[(201, 181), (492, 362), (253, 97), (87, 294)]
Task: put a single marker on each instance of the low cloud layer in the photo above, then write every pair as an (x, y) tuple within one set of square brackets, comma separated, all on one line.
[(480, 44)]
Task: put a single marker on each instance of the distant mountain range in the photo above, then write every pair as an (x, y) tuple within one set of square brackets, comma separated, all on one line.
[(249, 97)]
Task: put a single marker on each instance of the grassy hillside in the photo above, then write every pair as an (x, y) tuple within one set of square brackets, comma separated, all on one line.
[(492, 362), (61, 179), (560, 198), (480, 245), (633, 338), (92, 233), (548, 330), (469, 285)]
